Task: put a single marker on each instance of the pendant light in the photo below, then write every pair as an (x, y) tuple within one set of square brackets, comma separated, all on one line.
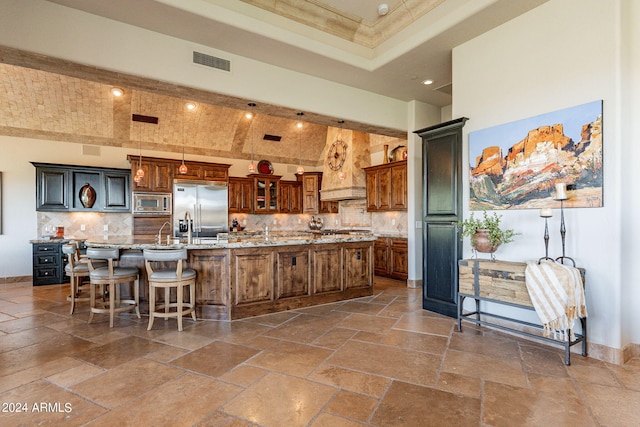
[(140, 171), (250, 115), (299, 169), (182, 170)]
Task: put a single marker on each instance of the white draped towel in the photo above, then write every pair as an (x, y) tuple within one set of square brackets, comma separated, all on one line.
[(557, 294)]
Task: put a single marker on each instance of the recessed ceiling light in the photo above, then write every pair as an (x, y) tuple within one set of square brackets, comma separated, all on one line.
[(427, 82), (116, 91), (190, 106)]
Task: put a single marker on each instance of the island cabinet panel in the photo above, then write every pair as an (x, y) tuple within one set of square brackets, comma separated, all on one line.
[(358, 261), (293, 272), (326, 269), (252, 275), (262, 277), (213, 275)]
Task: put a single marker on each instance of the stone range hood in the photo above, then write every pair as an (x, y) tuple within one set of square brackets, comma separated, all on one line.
[(358, 156)]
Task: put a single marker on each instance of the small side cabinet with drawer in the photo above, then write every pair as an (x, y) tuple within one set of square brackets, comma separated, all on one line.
[(48, 264)]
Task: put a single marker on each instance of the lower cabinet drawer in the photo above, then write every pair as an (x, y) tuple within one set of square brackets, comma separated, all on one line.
[(46, 275), (43, 260)]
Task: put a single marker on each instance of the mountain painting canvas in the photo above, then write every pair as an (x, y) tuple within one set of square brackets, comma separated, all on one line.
[(516, 165)]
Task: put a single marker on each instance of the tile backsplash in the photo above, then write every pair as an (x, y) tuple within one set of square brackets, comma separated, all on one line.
[(89, 224), (86, 224)]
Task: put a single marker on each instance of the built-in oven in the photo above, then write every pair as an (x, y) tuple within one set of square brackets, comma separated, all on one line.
[(151, 203)]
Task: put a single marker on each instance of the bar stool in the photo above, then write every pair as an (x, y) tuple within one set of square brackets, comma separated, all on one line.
[(77, 268), (112, 277), (170, 278)]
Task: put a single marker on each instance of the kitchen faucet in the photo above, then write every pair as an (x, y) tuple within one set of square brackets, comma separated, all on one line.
[(187, 219), (160, 232)]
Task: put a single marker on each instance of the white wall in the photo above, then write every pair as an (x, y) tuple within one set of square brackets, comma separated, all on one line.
[(561, 54), (630, 135)]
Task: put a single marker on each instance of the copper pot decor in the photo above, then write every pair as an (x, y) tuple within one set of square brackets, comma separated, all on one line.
[(87, 195), (480, 241)]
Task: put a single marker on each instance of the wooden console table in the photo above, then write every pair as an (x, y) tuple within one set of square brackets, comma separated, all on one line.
[(503, 282)]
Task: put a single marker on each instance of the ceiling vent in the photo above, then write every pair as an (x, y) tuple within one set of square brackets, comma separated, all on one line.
[(268, 137), (211, 61), (144, 119)]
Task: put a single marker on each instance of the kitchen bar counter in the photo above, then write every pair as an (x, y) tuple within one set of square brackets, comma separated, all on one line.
[(229, 241), (251, 274)]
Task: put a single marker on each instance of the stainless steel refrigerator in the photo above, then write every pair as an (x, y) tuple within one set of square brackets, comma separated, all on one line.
[(203, 205)]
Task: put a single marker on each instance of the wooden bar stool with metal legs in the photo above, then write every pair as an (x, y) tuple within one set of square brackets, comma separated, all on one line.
[(165, 278), (112, 277)]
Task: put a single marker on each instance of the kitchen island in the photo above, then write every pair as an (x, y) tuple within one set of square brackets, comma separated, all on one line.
[(247, 275)]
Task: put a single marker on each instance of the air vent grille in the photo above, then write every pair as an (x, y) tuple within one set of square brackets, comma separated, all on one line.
[(211, 61), (268, 137)]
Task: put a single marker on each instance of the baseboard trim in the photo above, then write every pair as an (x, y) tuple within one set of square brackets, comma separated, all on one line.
[(15, 282), (630, 351), (414, 283)]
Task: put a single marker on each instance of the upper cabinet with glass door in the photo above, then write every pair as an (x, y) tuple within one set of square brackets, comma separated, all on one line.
[(265, 193)]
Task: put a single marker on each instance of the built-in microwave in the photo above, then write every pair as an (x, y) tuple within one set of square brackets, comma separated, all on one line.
[(151, 203)]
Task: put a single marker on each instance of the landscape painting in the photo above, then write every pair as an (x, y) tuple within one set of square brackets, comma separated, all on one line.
[(516, 165)]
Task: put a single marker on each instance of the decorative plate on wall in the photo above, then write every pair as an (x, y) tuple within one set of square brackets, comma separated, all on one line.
[(265, 167)]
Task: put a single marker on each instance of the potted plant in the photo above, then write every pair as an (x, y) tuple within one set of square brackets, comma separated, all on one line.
[(486, 234)]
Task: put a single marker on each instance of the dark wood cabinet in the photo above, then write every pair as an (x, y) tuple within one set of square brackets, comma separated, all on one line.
[(293, 272), (326, 275), (52, 189), (391, 257), (252, 275), (160, 173), (62, 187), (358, 265), (266, 190), (387, 187), (117, 196), (381, 257), (48, 264), (311, 203), (311, 192), (290, 197), (240, 195)]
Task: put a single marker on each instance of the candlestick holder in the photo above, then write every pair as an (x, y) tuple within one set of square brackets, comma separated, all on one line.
[(546, 241), (563, 233)]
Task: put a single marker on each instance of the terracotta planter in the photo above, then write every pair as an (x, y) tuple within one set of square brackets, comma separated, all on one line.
[(480, 241)]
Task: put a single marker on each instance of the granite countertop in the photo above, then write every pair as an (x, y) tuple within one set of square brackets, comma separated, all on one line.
[(392, 235), (232, 240), (53, 240)]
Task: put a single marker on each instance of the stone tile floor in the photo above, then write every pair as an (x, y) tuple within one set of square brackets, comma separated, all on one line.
[(377, 361)]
